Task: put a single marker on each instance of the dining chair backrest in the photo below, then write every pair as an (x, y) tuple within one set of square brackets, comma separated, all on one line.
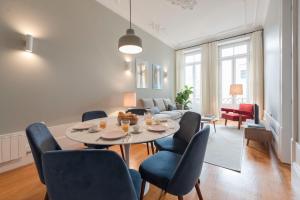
[(189, 126), (87, 174), (137, 111), (93, 115), (40, 140), (189, 168)]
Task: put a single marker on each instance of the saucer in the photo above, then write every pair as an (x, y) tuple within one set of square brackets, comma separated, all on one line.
[(136, 132)]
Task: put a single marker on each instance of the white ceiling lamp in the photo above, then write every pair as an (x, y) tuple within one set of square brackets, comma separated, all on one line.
[(185, 4), (130, 43)]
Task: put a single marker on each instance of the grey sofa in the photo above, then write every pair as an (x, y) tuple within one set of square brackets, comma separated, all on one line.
[(162, 108)]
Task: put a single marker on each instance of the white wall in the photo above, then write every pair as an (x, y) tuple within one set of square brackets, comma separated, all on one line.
[(278, 75)]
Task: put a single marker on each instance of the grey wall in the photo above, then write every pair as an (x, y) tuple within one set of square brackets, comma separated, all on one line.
[(272, 59), (278, 74), (75, 65)]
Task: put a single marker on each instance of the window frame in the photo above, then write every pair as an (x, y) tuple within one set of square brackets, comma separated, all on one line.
[(233, 58), (193, 64)]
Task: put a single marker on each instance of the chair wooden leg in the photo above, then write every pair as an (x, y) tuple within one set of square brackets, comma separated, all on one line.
[(247, 142), (198, 191), (240, 122), (148, 148), (152, 148), (122, 152), (225, 122), (180, 197), (46, 196), (162, 195), (142, 189)]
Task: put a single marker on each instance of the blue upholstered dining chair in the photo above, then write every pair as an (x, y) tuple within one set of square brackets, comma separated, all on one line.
[(142, 111), (189, 126), (89, 174), (40, 141), (174, 173), (96, 115)]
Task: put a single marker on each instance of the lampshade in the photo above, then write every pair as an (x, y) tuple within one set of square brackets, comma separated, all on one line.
[(236, 89), (129, 99), (130, 43)]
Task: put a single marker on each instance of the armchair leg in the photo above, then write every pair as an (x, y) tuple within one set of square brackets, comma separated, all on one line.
[(198, 191), (240, 122), (142, 189), (225, 122), (180, 197), (122, 152)]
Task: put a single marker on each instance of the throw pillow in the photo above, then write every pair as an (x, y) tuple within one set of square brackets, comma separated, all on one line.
[(172, 107), (154, 110)]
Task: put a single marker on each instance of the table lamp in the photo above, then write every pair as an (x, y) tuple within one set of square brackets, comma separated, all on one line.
[(129, 99), (236, 89)]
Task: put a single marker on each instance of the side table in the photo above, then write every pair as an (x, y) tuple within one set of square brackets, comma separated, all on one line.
[(259, 135)]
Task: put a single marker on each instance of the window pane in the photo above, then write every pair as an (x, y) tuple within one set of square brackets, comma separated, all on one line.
[(189, 75), (197, 58), (197, 87), (189, 59), (242, 49), (241, 77), (226, 81), (227, 52)]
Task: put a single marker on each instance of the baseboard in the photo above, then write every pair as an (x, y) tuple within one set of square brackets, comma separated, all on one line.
[(58, 133)]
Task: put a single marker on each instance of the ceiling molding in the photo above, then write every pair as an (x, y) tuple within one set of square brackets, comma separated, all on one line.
[(177, 27)]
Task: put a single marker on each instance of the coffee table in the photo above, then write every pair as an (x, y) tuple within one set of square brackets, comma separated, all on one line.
[(209, 119)]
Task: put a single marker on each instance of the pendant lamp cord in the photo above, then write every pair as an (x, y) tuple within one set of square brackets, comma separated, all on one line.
[(130, 13)]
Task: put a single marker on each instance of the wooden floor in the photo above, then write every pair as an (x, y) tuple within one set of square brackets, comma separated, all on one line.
[(262, 178)]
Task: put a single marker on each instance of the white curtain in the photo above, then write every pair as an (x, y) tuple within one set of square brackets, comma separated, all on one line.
[(179, 70), (256, 71), (213, 78), (205, 101)]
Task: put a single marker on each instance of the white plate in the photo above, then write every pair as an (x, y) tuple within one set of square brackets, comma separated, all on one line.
[(157, 128), (113, 135), (83, 126)]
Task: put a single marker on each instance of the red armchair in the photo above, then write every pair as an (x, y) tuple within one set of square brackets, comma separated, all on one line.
[(245, 111)]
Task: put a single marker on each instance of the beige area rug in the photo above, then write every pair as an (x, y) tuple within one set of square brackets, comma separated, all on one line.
[(225, 147)]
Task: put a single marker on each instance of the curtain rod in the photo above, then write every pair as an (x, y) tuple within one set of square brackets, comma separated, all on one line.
[(226, 38)]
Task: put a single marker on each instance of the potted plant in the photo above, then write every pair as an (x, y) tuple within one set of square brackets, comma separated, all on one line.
[(183, 97)]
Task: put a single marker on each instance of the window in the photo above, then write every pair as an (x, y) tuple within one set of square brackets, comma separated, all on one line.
[(234, 63), (192, 77)]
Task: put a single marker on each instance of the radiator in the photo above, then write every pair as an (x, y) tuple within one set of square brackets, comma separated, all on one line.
[(12, 147)]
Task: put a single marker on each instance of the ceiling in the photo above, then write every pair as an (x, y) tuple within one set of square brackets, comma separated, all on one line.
[(208, 20)]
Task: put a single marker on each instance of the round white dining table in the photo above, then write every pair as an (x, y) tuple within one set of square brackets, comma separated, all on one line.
[(131, 138)]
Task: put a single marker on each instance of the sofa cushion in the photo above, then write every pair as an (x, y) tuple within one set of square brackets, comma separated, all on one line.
[(159, 102), (148, 103), (169, 104), (173, 114), (154, 110)]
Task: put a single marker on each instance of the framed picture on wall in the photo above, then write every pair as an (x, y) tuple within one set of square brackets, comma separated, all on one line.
[(157, 77), (142, 73)]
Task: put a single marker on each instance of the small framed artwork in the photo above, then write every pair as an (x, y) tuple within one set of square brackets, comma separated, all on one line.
[(142, 73), (157, 77)]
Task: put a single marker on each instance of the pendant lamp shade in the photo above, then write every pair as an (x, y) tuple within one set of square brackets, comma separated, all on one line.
[(130, 43)]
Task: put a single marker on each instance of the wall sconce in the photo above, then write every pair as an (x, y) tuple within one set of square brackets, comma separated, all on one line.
[(28, 43), (128, 65), (165, 74)]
